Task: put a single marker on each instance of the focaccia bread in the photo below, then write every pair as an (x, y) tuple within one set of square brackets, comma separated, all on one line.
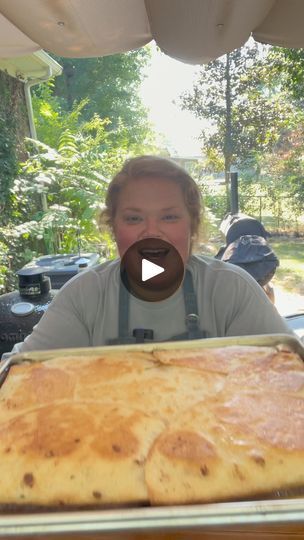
[(164, 427), (235, 446)]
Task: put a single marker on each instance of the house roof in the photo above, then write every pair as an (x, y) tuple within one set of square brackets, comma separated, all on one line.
[(38, 65)]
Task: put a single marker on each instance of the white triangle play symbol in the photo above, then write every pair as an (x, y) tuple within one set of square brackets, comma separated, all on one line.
[(150, 270)]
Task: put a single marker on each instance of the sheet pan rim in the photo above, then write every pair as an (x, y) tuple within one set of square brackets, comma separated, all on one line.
[(263, 340), (166, 518)]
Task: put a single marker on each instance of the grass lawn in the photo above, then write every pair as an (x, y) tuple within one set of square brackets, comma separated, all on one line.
[(290, 273)]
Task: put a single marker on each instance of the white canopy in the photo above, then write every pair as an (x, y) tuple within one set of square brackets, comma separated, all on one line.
[(193, 31)]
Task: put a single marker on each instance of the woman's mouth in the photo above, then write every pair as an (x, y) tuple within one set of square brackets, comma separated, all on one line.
[(153, 254)]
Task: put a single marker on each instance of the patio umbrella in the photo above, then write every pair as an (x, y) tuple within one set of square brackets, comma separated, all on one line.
[(193, 31)]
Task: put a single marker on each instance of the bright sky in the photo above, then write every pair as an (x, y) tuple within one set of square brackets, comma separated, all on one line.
[(166, 80)]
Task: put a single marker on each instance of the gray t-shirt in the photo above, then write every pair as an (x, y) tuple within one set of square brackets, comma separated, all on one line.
[(85, 311)]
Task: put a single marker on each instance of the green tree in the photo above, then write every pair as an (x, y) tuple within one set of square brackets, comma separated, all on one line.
[(51, 119), (282, 171), (13, 127), (244, 115), (87, 131), (110, 86), (72, 179), (283, 76), (287, 68)]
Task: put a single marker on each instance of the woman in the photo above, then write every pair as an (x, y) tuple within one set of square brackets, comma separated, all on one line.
[(152, 197)]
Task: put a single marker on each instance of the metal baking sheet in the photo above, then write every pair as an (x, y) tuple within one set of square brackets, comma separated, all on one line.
[(267, 519), (216, 521), (265, 340)]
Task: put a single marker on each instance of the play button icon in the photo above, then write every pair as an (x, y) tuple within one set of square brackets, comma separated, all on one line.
[(152, 269)]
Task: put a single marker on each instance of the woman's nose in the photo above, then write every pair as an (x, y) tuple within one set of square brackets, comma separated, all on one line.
[(151, 228)]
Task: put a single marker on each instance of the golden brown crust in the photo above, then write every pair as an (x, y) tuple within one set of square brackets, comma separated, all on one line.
[(246, 450), (162, 427)]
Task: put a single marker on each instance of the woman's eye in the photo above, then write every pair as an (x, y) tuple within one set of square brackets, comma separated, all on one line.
[(170, 217), (132, 219)]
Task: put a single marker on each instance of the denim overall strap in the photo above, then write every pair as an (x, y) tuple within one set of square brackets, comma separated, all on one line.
[(123, 309), (192, 318), (191, 309)]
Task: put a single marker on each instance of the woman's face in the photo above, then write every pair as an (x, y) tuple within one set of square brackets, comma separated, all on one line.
[(152, 208)]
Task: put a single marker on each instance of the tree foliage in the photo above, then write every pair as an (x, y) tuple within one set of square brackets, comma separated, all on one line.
[(252, 109), (282, 169), (110, 85), (84, 137), (73, 179), (12, 129), (287, 68), (243, 113)]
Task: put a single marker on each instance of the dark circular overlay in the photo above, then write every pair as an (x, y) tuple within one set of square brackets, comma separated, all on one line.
[(152, 269)]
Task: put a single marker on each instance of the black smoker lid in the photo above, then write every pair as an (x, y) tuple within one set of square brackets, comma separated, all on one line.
[(33, 281)]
